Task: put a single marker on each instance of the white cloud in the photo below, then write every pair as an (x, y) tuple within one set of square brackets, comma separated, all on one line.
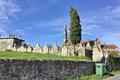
[(104, 23), (108, 14), (86, 33), (54, 28), (53, 24), (19, 32), (54, 36), (92, 29), (3, 32), (111, 38), (39, 5), (8, 11)]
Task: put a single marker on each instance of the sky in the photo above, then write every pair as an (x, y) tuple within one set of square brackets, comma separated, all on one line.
[(43, 20)]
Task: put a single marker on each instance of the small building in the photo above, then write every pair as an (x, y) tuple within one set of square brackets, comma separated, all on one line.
[(7, 43), (37, 48), (55, 49), (47, 49), (109, 48), (90, 48), (29, 48), (22, 48)]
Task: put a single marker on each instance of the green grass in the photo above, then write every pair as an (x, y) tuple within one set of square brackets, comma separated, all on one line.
[(89, 77), (38, 56), (95, 77), (119, 54), (115, 72)]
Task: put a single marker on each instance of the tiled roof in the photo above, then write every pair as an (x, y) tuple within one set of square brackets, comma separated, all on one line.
[(109, 46), (84, 42), (90, 41)]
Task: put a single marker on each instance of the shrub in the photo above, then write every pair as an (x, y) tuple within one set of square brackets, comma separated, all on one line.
[(113, 61), (114, 58)]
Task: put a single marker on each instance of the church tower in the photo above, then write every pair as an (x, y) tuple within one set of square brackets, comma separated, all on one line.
[(65, 33)]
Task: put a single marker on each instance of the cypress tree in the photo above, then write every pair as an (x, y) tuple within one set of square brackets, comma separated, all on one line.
[(75, 26)]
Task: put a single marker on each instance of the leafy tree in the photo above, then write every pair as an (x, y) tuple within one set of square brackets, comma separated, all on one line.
[(114, 58), (75, 26), (114, 54)]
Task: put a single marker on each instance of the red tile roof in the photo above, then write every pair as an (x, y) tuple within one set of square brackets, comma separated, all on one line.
[(109, 46)]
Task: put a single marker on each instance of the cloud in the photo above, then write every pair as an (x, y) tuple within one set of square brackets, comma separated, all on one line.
[(55, 24), (53, 36), (108, 15), (104, 23), (113, 38), (3, 32), (39, 5), (110, 37), (92, 29), (50, 23), (19, 32), (8, 10), (86, 33), (51, 29)]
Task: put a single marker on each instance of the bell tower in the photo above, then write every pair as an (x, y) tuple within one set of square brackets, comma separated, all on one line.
[(65, 33)]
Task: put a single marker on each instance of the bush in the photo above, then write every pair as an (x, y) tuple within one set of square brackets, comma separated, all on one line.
[(114, 54), (113, 61), (114, 58)]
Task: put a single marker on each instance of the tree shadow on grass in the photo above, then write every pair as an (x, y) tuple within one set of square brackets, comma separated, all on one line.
[(107, 74)]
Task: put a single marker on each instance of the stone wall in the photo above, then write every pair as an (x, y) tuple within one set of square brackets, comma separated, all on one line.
[(43, 70)]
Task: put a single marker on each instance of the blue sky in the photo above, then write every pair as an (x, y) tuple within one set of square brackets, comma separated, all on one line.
[(43, 20)]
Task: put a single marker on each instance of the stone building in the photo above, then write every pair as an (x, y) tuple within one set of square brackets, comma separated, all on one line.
[(22, 48), (47, 49), (29, 48), (107, 49), (90, 48), (81, 50), (37, 48), (13, 43), (55, 49), (10, 42), (97, 53)]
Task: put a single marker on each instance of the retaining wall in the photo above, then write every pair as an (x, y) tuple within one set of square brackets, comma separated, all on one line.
[(43, 70)]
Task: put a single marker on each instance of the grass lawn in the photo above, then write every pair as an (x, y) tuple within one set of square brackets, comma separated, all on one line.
[(115, 72), (90, 77), (96, 77), (119, 54), (38, 56)]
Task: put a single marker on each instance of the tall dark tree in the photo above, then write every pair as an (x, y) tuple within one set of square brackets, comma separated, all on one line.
[(75, 26)]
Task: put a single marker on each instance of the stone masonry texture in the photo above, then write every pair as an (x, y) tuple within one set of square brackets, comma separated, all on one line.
[(43, 70)]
